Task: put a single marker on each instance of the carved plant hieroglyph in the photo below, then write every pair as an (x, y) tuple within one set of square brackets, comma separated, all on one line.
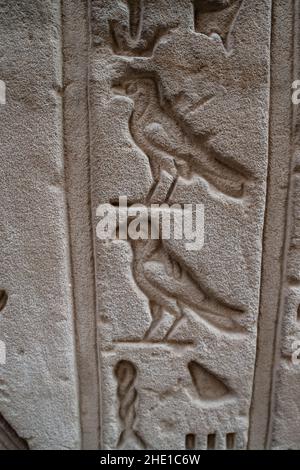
[(175, 120)]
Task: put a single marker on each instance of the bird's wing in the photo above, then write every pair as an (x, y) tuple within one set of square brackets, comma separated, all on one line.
[(177, 284)]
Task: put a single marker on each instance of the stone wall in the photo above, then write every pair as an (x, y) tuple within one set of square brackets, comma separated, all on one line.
[(149, 342)]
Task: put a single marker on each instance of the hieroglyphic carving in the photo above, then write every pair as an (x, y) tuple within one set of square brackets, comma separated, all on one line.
[(190, 441), (207, 385), (127, 394), (171, 148), (216, 18), (213, 441), (170, 288), (129, 35), (175, 89)]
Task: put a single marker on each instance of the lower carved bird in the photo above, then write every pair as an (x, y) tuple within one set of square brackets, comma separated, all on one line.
[(170, 288)]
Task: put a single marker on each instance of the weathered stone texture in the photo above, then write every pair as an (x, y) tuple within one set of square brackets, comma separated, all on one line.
[(38, 391), (170, 98), (142, 344), (275, 416)]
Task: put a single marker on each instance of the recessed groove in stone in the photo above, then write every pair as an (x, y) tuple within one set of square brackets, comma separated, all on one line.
[(190, 441), (3, 299), (211, 441), (230, 440)]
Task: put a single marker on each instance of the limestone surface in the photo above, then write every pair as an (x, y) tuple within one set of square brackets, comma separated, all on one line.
[(138, 340)]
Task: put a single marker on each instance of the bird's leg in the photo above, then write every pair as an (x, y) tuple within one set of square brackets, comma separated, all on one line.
[(164, 173), (172, 169), (156, 314), (183, 169), (179, 317), (171, 189), (162, 188)]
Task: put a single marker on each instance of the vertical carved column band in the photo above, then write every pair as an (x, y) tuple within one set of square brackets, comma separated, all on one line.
[(179, 95), (275, 410), (276, 420)]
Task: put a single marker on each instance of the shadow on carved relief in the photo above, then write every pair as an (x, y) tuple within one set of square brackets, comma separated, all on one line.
[(9, 439), (3, 299)]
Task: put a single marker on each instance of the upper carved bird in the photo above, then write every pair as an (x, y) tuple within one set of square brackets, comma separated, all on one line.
[(173, 149)]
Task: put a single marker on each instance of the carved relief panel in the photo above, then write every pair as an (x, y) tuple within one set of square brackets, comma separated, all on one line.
[(144, 341), (178, 94)]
